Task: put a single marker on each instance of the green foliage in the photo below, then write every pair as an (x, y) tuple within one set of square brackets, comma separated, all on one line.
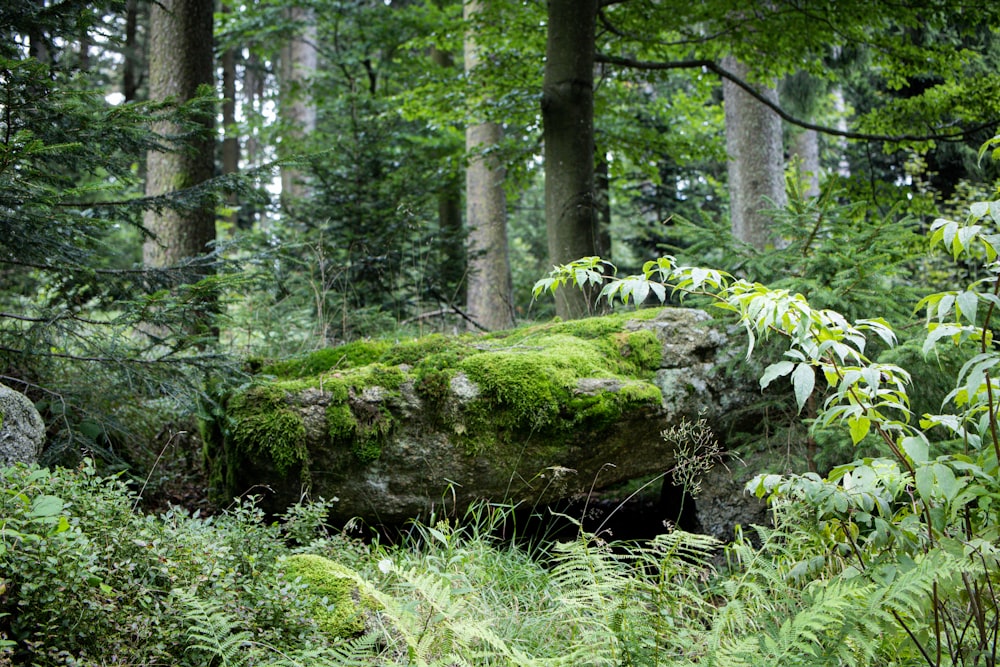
[(185, 590), (87, 577), (885, 518), (85, 330), (350, 355), (210, 633)]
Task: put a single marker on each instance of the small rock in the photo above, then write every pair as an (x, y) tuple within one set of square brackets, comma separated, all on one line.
[(22, 431), (465, 390)]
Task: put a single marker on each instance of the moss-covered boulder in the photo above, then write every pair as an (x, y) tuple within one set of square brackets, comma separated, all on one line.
[(534, 414), (338, 606)]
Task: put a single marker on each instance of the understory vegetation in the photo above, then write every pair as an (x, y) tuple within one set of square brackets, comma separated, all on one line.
[(92, 581), (887, 560)]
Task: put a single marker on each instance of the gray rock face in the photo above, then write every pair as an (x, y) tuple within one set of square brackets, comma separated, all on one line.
[(470, 441), (22, 432), (724, 504)]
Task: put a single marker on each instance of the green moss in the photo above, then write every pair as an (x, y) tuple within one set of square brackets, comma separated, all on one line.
[(351, 355), (381, 375), (341, 423), (263, 423), (639, 393), (528, 380), (587, 328), (338, 607), (413, 352), (531, 383), (432, 384), (640, 352), (360, 426), (534, 387)]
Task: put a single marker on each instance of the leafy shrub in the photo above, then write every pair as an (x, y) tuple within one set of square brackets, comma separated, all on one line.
[(915, 520)]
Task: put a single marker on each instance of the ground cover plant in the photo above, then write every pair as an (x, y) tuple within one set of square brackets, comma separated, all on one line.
[(887, 560)]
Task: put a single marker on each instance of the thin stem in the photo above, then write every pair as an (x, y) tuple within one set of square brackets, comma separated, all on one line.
[(991, 402)]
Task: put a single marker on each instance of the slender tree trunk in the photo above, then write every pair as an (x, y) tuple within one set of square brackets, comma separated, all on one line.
[(38, 48), (805, 147), (130, 77), (489, 299), (602, 188), (180, 60), (449, 200), (568, 121), (840, 107), (299, 60), (756, 159), (231, 140), (85, 44), (801, 94)]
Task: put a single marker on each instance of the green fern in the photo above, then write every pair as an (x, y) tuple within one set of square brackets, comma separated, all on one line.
[(211, 633)]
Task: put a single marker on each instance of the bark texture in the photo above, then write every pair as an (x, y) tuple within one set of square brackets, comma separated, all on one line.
[(489, 299), (180, 60), (131, 68), (568, 130), (299, 61), (756, 159)]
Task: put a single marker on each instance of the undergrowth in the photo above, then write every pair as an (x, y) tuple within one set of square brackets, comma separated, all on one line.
[(88, 579), (889, 561)]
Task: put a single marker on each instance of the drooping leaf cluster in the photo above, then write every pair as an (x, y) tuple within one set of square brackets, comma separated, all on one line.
[(927, 500)]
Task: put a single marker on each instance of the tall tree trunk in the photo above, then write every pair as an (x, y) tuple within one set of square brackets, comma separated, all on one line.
[(568, 122), (805, 148), (130, 77), (489, 298), (840, 107), (602, 188), (756, 159), (38, 48), (85, 44), (299, 60), (180, 60), (231, 140), (801, 94)]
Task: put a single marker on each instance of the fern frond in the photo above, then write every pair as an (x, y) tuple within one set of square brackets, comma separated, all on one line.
[(211, 632)]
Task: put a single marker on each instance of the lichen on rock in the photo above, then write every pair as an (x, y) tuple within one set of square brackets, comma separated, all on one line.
[(22, 430)]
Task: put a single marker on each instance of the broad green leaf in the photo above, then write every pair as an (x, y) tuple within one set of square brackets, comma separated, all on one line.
[(967, 303), (945, 306), (924, 480), (915, 447), (803, 381), (698, 276), (946, 482), (775, 371), (641, 291), (45, 506), (860, 426)]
